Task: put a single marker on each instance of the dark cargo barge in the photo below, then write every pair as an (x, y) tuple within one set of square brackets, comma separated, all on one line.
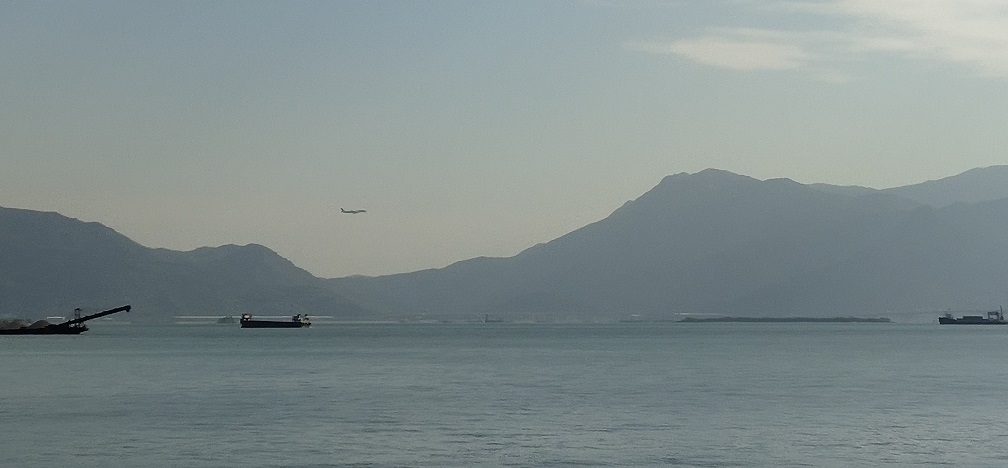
[(74, 326), (296, 321)]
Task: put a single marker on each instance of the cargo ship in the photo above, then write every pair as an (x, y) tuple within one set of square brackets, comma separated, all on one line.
[(995, 317), (73, 326), (296, 321)]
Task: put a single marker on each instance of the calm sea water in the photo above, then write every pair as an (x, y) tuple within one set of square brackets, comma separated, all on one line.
[(709, 395)]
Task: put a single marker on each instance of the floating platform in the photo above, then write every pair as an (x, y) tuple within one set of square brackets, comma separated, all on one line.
[(297, 321)]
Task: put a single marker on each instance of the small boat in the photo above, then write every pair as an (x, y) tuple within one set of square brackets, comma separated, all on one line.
[(995, 317), (74, 326), (296, 321), (226, 320)]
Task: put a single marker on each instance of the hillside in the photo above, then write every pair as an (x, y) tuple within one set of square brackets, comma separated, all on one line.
[(706, 243), (973, 186), (50, 264), (720, 243)]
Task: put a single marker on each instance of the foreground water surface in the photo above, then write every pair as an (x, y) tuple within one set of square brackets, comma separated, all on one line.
[(712, 395)]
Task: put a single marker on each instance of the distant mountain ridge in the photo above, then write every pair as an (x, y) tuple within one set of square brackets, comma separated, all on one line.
[(712, 242), (715, 242), (973, 186), (51, 264)]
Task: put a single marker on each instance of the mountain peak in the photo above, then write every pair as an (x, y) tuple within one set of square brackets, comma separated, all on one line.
[(707, 175), (711, 184)]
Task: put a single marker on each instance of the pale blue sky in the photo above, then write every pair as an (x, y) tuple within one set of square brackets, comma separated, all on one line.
[(471, 128)]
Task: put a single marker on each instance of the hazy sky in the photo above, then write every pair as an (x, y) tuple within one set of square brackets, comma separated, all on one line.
[(471, 128)]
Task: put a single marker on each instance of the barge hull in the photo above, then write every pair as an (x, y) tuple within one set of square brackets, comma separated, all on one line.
[(271, 324)]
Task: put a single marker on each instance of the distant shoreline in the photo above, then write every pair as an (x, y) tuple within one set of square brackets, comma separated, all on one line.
[(787, 319)]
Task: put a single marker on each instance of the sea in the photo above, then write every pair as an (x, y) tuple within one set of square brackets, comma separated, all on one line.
[(506, 394)]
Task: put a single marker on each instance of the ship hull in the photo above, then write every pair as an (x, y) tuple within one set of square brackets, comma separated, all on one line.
[(969, 321), (48, 330), (272, 324)]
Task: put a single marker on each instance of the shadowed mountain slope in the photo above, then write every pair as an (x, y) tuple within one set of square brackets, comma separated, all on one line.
[(706, 243), (720, 243), (50, 264), (973, 186)]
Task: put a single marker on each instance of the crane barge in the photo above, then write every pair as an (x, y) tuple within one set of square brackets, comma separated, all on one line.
[(74, 326)]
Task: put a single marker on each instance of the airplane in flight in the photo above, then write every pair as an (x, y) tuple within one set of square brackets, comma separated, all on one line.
[(352, 211)]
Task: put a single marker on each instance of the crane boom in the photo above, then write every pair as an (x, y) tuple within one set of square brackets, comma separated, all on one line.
[(80, 320)]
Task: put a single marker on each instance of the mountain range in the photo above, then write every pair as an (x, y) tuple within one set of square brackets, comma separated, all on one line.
[(712, 242), (50, 264)]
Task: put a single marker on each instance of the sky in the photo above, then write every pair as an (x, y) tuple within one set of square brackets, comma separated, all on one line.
[(471, 128)]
